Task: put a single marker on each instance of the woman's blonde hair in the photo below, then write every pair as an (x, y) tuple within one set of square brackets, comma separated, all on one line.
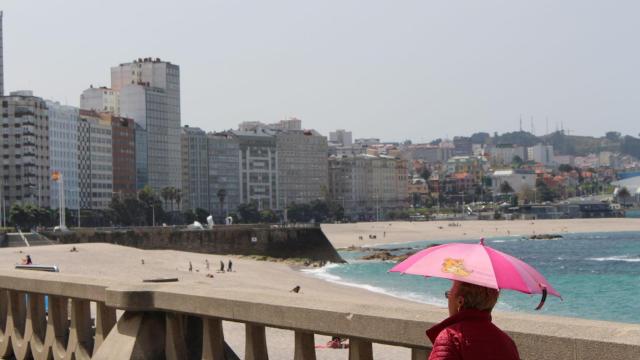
[(476, 296)]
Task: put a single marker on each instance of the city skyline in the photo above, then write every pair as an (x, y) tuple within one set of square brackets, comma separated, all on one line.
[(360, 66)]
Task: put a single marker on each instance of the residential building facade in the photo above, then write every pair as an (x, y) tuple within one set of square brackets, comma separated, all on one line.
[(541, 153), (100, 99), (24, 150), (518, 180), (95, 160), (150, 94), (504, 154), (63, 153), (367, 186), (195, 169), (341, 137), (302, 167), (258, 168), (224, 173), (123, 154)]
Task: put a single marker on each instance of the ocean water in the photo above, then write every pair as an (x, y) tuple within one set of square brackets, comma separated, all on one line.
[(597, 274)]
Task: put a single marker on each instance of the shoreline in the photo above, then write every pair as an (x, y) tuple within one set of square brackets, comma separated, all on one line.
[(400, 232)]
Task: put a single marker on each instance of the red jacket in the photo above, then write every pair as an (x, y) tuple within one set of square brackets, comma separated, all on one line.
[(470, 335)]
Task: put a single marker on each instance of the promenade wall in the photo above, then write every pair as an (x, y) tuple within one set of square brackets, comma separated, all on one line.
[(175, 321), (305, 242)]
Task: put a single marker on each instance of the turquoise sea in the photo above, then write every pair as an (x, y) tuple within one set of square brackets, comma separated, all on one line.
[(597, 274)]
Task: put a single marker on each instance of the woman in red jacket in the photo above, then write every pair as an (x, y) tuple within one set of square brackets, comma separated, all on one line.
[(468, 333)]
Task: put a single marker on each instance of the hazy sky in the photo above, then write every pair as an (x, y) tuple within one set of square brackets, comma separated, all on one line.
[(393, 69)]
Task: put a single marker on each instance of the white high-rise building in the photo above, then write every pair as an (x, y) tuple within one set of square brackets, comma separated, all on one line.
[(101, 99), (150, 94), (63, 152)]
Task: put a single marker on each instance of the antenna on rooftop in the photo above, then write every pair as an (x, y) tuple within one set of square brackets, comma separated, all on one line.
[(533, 129), (547, 126), (520, 122)]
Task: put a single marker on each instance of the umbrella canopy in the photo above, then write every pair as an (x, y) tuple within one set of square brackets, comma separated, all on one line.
[(477, 264)]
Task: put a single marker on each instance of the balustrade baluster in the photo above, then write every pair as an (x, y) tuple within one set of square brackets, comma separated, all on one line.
[(5, 329), (105, 321), (37, 319), (57, 327), (21, 333), (304, 346), (360, 349), (212, 339), (175, 347), (255, 343), (80, 344)]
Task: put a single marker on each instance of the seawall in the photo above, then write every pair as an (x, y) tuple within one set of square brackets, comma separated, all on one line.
[(307, 242)]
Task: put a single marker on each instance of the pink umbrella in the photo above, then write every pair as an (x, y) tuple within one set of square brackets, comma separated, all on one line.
[(477, 264)]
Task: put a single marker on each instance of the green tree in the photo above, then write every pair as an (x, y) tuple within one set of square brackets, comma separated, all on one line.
[(544, 192), (201, 215), (517, 162), (425, 174), (623, 195), (189, 216), (565, 168), (268, 216), (248, 213)]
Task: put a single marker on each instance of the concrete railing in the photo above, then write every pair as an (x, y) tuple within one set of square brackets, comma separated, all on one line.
[(176, 321)]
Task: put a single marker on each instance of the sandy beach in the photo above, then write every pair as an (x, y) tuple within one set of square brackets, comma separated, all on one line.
[(357, 234), (120, 263)]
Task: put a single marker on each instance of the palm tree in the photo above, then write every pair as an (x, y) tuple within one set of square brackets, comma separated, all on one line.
[(166, 193), (222, 193), (178, 197)]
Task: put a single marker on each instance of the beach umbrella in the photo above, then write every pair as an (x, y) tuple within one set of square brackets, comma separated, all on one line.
[(477, 264)]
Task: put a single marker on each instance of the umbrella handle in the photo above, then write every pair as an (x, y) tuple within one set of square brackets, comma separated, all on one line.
[(544, 298)]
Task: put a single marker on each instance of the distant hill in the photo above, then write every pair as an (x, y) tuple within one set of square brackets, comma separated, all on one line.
[(567, 144)]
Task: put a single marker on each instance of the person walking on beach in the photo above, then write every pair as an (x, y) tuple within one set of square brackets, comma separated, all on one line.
[(229, 266), (206, 263), (190, 266), (221, 266), (468, 333)]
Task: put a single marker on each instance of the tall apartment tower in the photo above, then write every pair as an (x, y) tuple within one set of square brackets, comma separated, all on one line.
[(195, 165), (150, 95), (95, 160), (24, 150), (1, 60), (63, 152)]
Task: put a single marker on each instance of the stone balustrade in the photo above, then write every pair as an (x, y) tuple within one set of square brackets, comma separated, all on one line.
[(176, 321)]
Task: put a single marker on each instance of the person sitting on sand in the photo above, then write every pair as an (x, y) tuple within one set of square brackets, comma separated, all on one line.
[(337, 343), (27, 260), (468, 333), (296, 289)]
